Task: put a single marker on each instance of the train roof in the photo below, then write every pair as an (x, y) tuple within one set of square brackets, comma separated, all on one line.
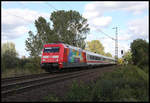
[(67, 45), (95, 54), (77, 48)]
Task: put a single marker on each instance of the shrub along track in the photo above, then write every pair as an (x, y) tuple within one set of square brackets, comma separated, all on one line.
[(30, 84)]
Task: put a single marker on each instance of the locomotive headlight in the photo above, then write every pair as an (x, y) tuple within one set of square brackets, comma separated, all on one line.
[(45, 56), (43, 59), (55, 56)]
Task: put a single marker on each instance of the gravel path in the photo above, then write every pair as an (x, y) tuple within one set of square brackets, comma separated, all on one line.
[(59, 89)]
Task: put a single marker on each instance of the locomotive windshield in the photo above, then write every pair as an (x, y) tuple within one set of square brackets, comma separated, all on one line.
[(51, 49)]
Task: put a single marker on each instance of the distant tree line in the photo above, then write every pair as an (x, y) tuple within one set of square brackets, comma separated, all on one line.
[(11, 60)]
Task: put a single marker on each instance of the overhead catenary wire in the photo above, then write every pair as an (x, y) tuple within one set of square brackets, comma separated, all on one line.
[(17, 16), (105, 34), (116, 42), (51, 6)]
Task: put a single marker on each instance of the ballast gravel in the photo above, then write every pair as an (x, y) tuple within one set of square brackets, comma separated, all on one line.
[(58, 89)]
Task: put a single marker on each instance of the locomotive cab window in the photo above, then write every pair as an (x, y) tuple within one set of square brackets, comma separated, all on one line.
[(51, 50)]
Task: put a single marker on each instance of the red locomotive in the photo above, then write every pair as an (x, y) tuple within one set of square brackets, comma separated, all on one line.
[(60, 55)]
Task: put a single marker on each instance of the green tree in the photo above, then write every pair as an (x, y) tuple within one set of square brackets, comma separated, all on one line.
[(34, 43), (140, 52), (9, 46), (108, 54), (127, 57), (120, 61), (9, 55), (70, 27), (96, 47)]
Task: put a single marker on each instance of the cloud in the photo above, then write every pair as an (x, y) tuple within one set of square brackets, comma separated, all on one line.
[(123, 35), (15, 22), (100, 21), (138, 28), (94, 11), (135, 6), (106, 43)]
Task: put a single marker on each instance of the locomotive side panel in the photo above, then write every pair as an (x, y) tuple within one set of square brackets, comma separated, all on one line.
[(74, 58)]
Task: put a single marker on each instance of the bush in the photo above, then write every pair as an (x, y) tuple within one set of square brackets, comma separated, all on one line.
[(128, 83), (9, 60), (51, 98), (30, 67), (79, 92), (140, 52)]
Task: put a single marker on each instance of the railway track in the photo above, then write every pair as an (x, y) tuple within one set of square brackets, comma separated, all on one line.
[(21, 78), (11, 88), (8, 80)]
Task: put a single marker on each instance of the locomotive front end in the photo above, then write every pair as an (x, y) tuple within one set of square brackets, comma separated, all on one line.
[(51, 55)]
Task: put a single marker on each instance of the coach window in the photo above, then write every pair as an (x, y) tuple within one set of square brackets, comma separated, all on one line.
[(96, 58), (90, 56)]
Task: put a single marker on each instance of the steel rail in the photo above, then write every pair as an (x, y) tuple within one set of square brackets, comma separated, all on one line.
[(12, 79), (27, 85)]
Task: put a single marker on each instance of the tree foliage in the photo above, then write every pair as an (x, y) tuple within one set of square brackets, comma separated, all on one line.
[(120, 61), (68, 27), (140, 52), (127, 57), (96, 47), (108, 54), (9, 46), (9, 55), (34, 43)]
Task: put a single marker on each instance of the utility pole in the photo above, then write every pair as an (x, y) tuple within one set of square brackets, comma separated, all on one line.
[(116, 44)]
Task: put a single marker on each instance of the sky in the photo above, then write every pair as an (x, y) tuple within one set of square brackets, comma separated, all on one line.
[(130, 17)]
